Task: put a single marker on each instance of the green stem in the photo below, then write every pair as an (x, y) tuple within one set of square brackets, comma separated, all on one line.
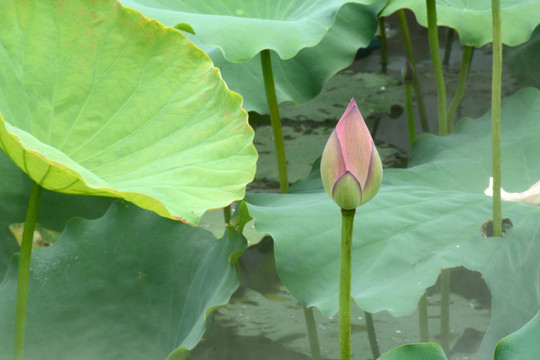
[(384, 55), (227, 214), (460, 88), (496, 116), (410, 114), (433, 37), (312, 334), (347, 221), (410, 56), (445, 310), (24, 271), (371, 335), (423, 318), (271, 98), (448, 46)]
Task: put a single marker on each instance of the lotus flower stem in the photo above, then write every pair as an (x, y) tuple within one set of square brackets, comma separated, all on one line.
[(384, 55), (423, 318), (445, 310), (433, 37), (24, 271), (410, 56), (312, 333), (347, 221), (271, 98), (460, 88), (448, 46), (371, 335), (496, 116)]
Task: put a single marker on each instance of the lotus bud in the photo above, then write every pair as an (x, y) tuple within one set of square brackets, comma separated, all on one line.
[(351, 169)]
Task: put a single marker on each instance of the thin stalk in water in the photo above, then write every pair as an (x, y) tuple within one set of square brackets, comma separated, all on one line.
[(496, 116), (275, 119), (407, 74), (433, 37), (460, 88), (384, 55), (312, 333), (448, 46), (423, 318), (347, 221), (227, 214), (445, 310), (410, 56), (24, 271), (371, 335)]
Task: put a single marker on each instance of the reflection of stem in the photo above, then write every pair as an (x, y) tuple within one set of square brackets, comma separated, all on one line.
[(24, 271), (445, 310), (496, 116), (371, 335), (460, 88), (448, 46), (270, 89), (410, 56), (347, 221), (433, 37), (384, 56), (423, 318), (227, 214), (312, 334)]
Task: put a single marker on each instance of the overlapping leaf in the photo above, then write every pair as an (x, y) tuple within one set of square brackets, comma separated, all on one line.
[(424, 219), (98, 100), (129, 285), (314, 45), (472, 19)]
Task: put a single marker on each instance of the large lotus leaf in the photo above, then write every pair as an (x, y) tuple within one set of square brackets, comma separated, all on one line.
[(522, 344), (472, 19), (243, 28), (302, 77), (129, 285), (55, 209), (427, 351), (424, 219), (96, 99)]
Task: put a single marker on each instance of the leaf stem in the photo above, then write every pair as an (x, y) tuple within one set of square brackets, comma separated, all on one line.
[(410, 56), (460, 88), (227, 214), (410, 113), (271, 98), (423, 318), (312, 334), (496, 116), (445, 310), (433, 36), (347, 221), (384, 55), (24, 270), (448, 46), (371, 335)]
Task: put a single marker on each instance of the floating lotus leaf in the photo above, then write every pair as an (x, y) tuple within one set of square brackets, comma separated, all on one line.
[(423, 219), (129, 285), (98, 100), (522, 344), (472, 19)]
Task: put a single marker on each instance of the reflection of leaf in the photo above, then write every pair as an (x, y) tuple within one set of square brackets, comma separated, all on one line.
[(425, 218), (427, 351), (102, 101), (308, 66), (472, 19), (130, 285), (523, 60)]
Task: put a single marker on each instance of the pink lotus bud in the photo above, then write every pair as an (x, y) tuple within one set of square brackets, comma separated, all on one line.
[(351, 169)]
